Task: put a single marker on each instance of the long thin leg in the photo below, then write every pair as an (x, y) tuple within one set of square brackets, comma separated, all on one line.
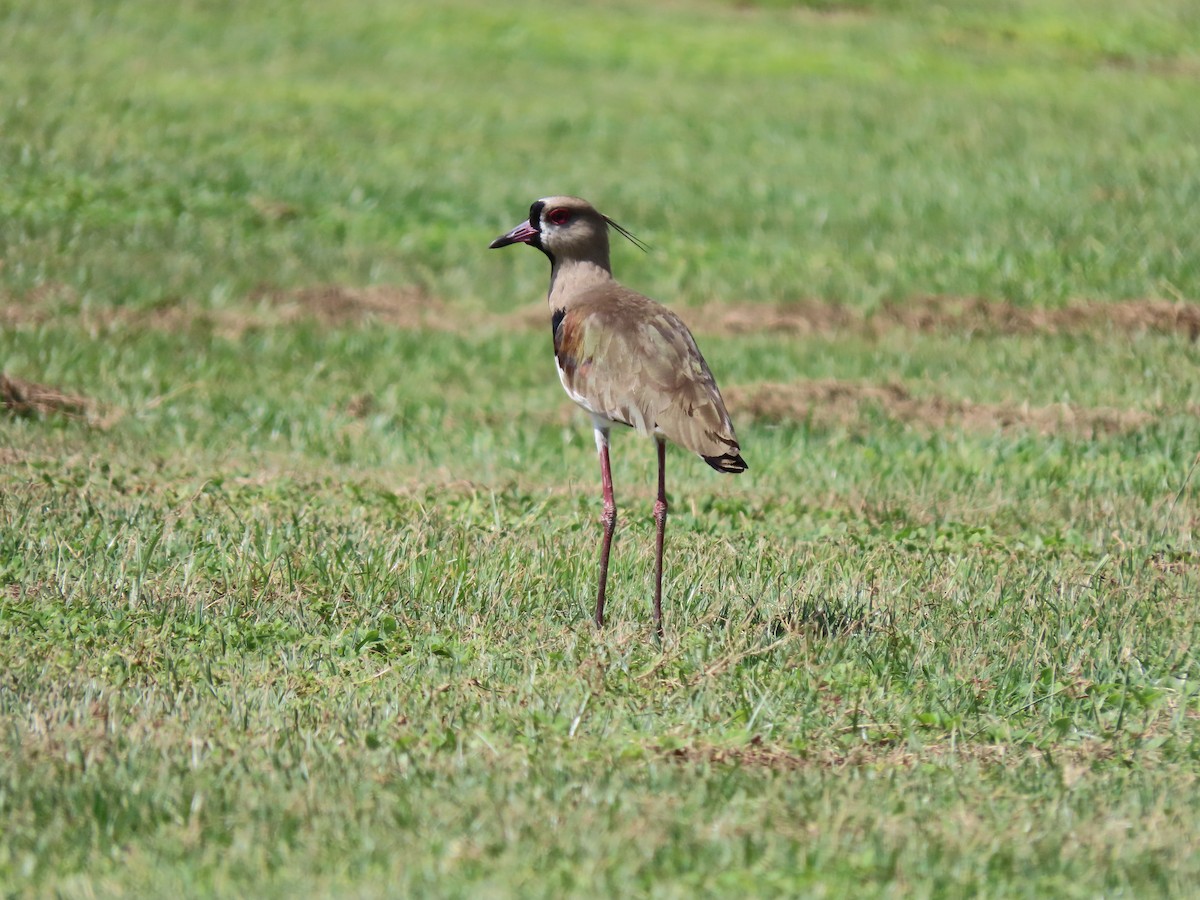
[(609, 518), (660, 519)]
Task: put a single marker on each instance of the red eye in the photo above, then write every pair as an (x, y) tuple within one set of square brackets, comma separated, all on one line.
[(559, 216)]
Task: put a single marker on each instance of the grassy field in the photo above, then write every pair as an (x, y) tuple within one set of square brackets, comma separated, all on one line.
[(295, 601)]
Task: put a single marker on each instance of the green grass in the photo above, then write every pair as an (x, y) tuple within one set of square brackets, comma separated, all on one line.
[(1037, 152), (262, 636)]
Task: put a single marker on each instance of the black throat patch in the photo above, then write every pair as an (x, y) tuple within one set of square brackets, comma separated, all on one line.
[(535, 222)]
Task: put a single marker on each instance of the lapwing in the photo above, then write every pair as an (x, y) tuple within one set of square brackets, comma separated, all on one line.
[(624, 358)]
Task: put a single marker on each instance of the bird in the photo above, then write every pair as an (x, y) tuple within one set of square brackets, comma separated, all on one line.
[(624, 358)]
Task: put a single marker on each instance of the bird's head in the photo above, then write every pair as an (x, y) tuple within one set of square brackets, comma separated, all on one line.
[(565, 228)]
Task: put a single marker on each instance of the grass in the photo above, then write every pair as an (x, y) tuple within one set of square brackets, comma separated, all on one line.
[(302, 605)]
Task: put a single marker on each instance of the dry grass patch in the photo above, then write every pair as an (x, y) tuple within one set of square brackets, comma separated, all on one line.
[(976, 314), (329, 305), (409, 307), (832, 404), (925, 315), (931, 315), (758, 754), (399, 307), (27, 398)]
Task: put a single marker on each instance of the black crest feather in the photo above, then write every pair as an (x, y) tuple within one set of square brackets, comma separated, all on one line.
[(628, 235)]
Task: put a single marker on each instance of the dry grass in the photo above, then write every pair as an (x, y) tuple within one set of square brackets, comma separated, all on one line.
[(965, 315), (27, 398), (411, 308), (759, 754), (838, 404)]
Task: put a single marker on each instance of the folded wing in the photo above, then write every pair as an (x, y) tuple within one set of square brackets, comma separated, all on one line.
[(628, 359)]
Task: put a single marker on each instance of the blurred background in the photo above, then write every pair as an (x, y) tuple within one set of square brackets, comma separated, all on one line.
[(851, 152)]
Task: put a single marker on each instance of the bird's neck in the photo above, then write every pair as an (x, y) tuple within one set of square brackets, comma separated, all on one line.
[(572, 277)]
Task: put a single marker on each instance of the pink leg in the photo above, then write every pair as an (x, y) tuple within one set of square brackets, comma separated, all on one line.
[(609, 518), (660, 519)]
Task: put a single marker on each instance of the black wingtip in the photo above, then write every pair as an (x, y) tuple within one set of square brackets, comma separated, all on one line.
[(731, 463)]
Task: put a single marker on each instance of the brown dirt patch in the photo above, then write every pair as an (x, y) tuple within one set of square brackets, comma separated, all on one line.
[(412, 308), (802, 317), (329, 305), (832, 404), (757, 754), (991, 316), (951, 314), (400, 307), (1168, 66), (27, 398), (14, 314), (37, 306)]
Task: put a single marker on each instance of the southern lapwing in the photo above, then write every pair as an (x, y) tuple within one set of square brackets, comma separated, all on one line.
[(624, 358)]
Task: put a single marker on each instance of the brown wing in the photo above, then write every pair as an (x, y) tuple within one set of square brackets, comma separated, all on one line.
[(629, 359)]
